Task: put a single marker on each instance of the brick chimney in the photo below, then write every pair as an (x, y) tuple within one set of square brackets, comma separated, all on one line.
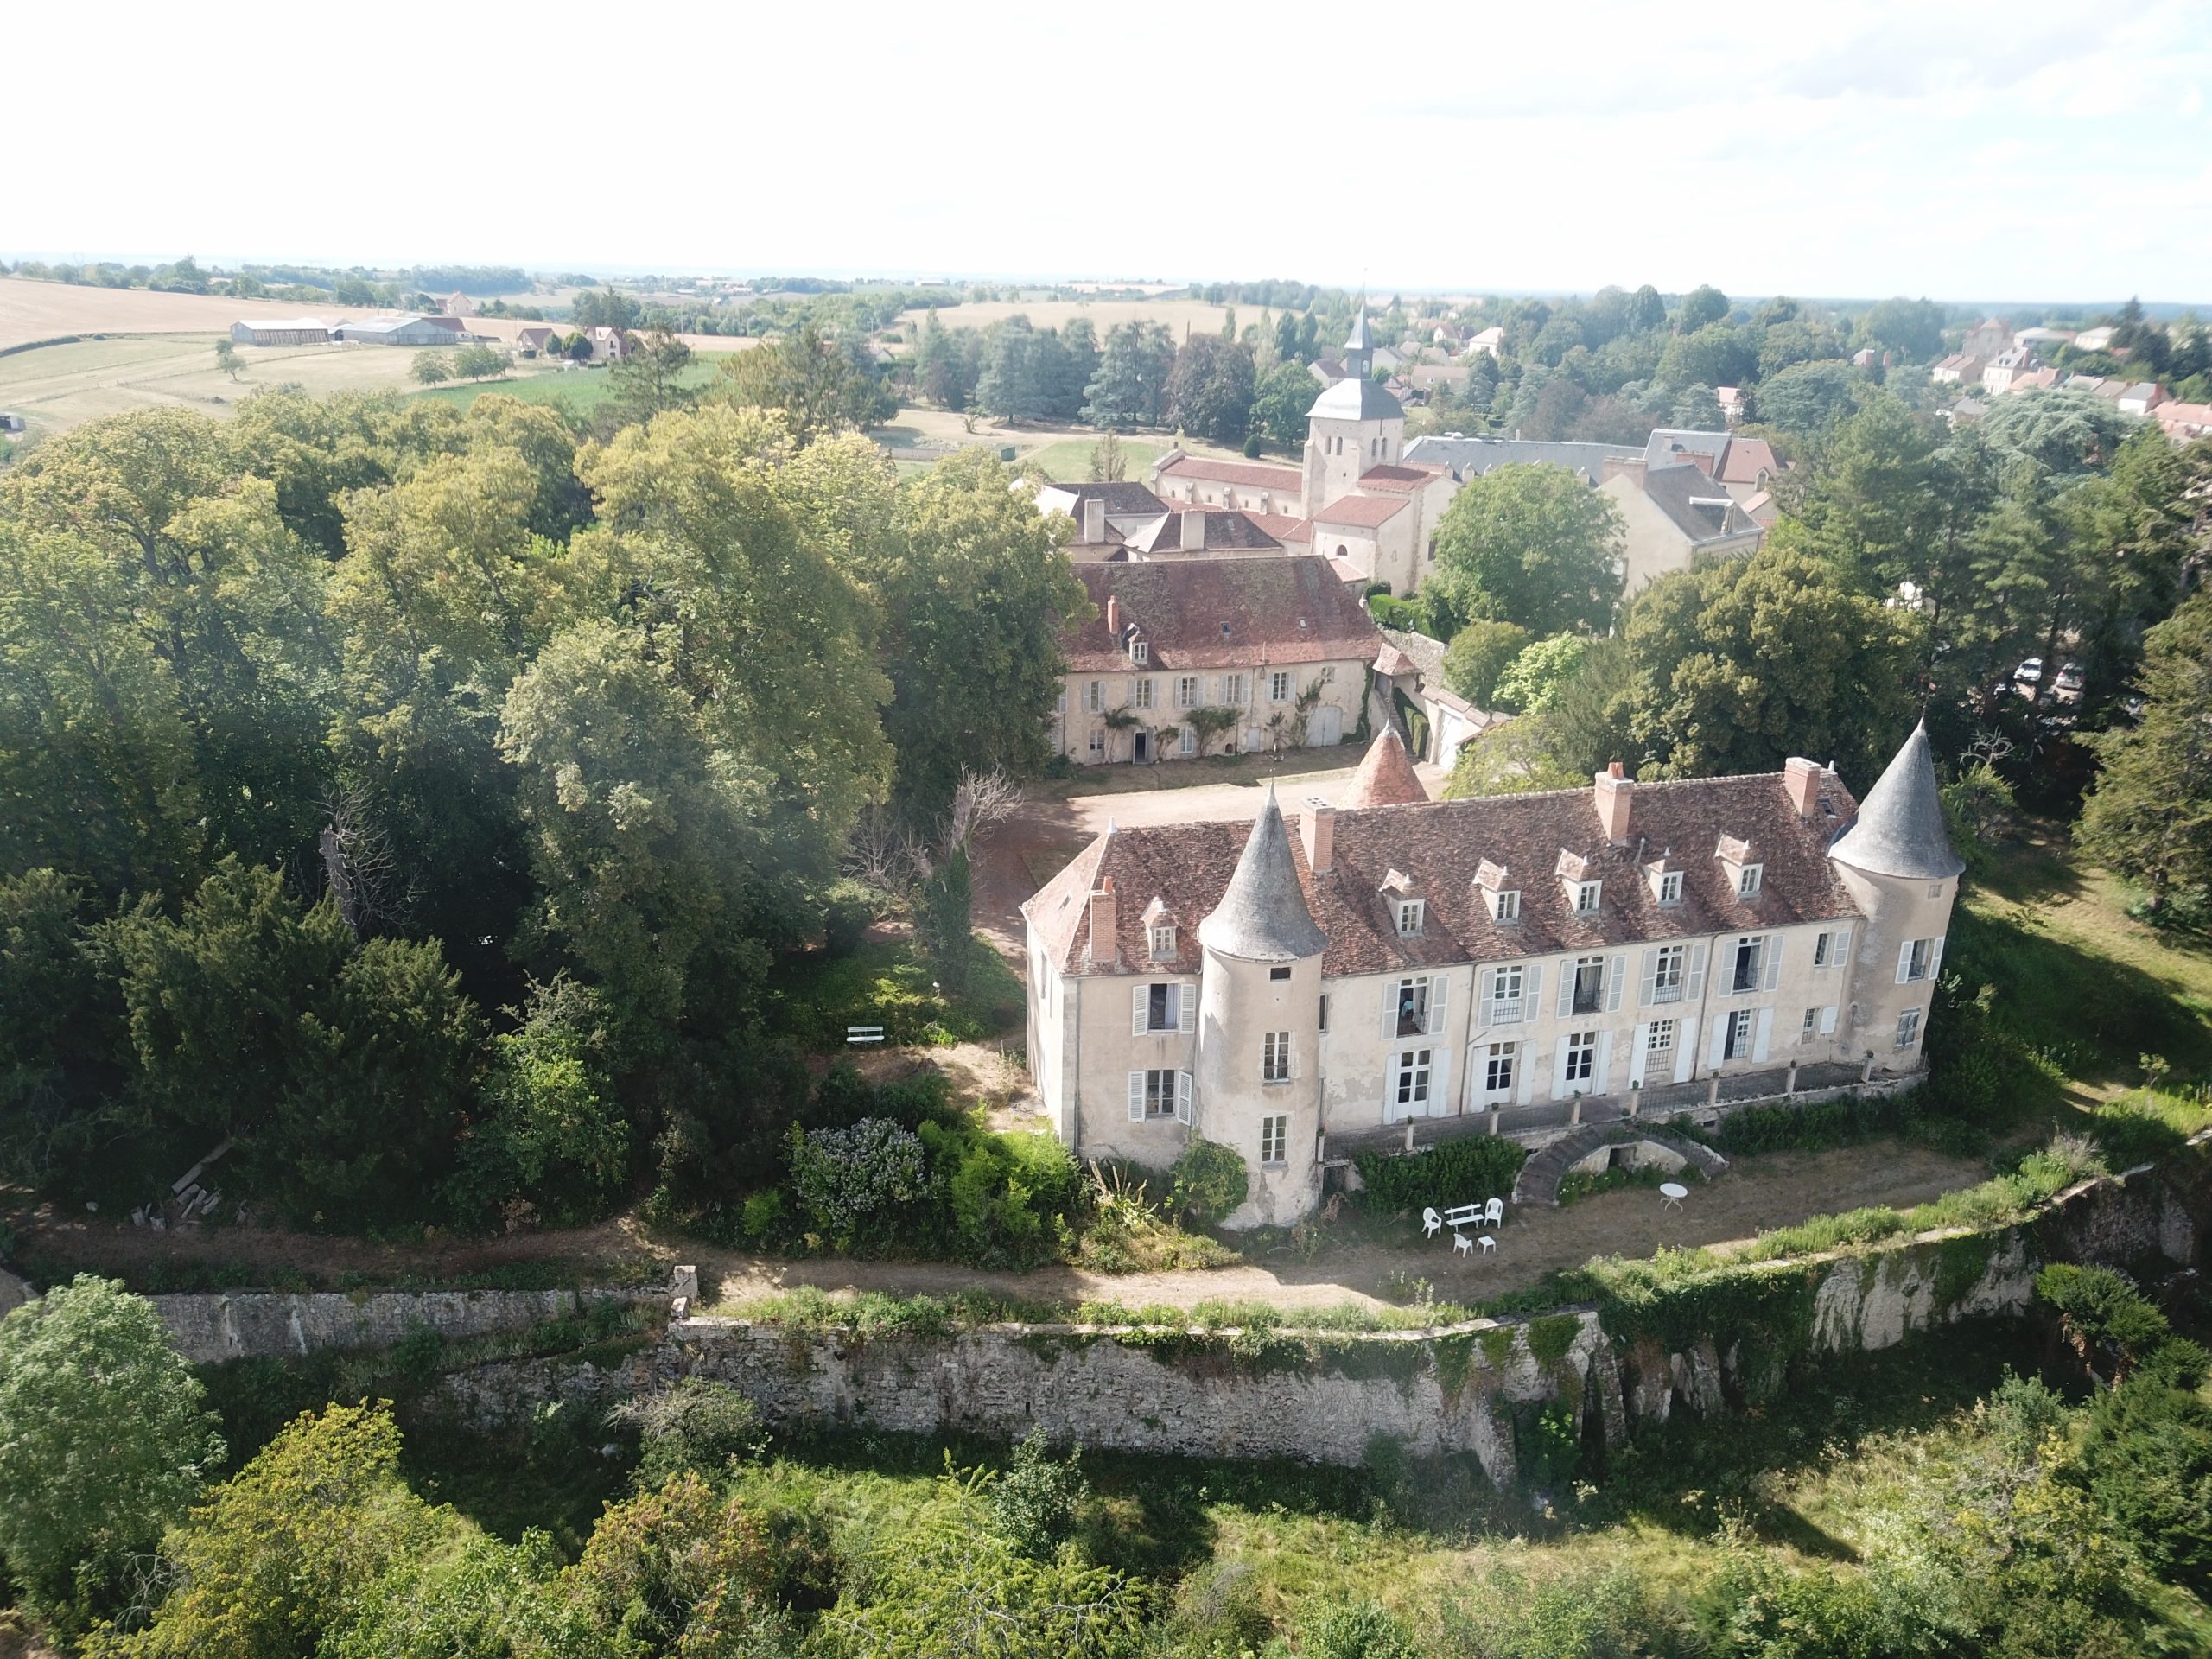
[(1615, 466), (1104, 943), (1613, 788), (1700, 459), (1114, 616), (1194, 530), (1094, 518), (1318, 829), (1801, 781)]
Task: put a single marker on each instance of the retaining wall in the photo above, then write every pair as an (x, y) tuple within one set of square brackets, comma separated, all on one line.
[(276, 1324)]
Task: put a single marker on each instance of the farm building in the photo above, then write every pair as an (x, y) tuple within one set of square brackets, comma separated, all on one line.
[(403, 330), (536, 339), (294, 331)]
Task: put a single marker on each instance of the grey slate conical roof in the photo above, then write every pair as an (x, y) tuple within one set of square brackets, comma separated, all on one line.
[(1899, 830), (1359, 340), (1262, 915)]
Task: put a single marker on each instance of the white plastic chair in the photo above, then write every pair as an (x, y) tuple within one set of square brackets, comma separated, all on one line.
[(1431, 1222), (1489, 1244), (1494, 1214), (1462, 1244)]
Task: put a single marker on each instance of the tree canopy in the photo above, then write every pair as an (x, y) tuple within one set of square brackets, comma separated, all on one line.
[(1533, 545)]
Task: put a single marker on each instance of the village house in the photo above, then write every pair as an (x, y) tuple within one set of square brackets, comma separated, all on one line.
[(2006, 368), (1960, 367), (535, 339), (2095, 339), (1279, 646), (1677, 516), (1520, 963)]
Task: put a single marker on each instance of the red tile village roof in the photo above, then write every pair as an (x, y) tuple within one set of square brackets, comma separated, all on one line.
[(1222, 614), (1284, 528), (1441, 845), (1365, 511), (1233, 472), (1387, 777), (1400, 480)]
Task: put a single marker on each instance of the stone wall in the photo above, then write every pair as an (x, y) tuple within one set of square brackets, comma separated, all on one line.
[(276, 1324)]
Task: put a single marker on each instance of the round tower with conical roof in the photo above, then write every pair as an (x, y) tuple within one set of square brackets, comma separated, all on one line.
[(1896, 860), (1257, 1066), (1353, 425)]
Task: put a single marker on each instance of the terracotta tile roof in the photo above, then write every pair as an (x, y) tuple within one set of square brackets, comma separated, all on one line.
[(1284, 528), (1235, 471), (1438, 848), (1746, 459), (1223, 613), (1386, 776), (1400, 480), (1365, 510)]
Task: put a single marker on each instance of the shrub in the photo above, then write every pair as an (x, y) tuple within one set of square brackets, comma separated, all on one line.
[(1210, 1180), (1356, 1629), (699, 1426), (2103, 1315), (845, 1177), (999, 1200), (1459, 1171), (1033, 1503)]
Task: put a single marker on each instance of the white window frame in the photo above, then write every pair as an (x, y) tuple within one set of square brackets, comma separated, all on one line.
[(1743, 1020), (1140, 652), (1670, 958), (1756, 944), (1505, 904), (1413, 1075), (1659, 1037), (1165, 1094), (1748, 881), (1586, 895), (1581, 1063), (1916, 960), (1421, 989), (1810, 1030), (1232, 690), (1504, 1009), (1274, 1057), (1098, 740), (1180, 1005), (1140, 692), (1094, 698), (1670, 888), (1190, 690), (1412, 914), (1187, 741), (1275, 1139), (1909, 1027), (1279, 686), (1162, 941), (1501, 1068), (1575, 985)]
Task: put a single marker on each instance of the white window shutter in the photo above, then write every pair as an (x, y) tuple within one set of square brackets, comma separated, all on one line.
[(1559, 1069), (1762, 1034), (1532, 994), (1616, 974), (1527, 1068), (1601, 1079), (1650, 972), (1773, 960), (1485, 986), (1935, 959), (1138, 1008), (1566, 988), (1390, 1010), (1439, 1085), (1697, 974), (1905, 960), (1437, 988), (1718, 1043), (1685, 1050), (1639, 1054), (1827, 1021), (1296, 1070), (1182, 1096), (1839, 950), (1136, 1096), (1186, 1007)]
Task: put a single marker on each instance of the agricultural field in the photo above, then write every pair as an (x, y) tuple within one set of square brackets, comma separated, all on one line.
[(1181, 316)]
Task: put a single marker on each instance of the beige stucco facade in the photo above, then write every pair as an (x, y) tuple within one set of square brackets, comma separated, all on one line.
[(1653, 544), (1265, 699)]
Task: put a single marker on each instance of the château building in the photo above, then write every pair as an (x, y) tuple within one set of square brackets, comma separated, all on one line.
[(1289, 986)]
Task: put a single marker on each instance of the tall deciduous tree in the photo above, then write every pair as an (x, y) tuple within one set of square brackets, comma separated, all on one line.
[(106, 1439), (1130, 385), (1532, 545), (650, 380), (1280, 408), (819, 386), (1740, 666), (2149, 816)]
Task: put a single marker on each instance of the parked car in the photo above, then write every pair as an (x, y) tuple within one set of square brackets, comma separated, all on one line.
[(2029, 673), (2068, 683), (2135, 706)]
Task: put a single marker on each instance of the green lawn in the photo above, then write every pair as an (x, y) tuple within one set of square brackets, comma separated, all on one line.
[(582, 390), (1068, 461)]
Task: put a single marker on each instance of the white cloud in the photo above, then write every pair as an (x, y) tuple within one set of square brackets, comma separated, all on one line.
[(1967, 150)]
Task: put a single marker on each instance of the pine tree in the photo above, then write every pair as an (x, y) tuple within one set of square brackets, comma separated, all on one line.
[(2150, 818)]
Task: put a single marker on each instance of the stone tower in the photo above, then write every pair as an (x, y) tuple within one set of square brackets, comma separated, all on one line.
[(1258, 1063), (1352, 426), (1897, 860)]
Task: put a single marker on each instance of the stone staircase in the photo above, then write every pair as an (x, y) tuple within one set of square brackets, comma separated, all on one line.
[(1538, 1182)]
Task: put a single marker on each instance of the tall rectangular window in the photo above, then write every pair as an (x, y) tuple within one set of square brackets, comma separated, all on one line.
[(1412, 1007), (1279, 686), (1186, 691), (1670, 888), (1275, 1139), (1274, 1057), (1498, 1069), (1918, 955), (1232, 690), (1506, 906), (1094, 696), (1810, 1028), (1737, 1043), (1589, 984), (1141, 694), (1410, 913), (1189, 740), (1098, 740), (1163, 1007), (1908, 1027), (1747, 964), (1160, 1094), (1413, 1076), (1666, 973), (1581, 1056), (1585, 898), (1324, 1025), (1140, 653), (1505, 987), (1660, 1039)]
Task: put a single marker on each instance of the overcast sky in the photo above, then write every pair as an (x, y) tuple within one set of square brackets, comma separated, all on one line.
[(2018, 151)]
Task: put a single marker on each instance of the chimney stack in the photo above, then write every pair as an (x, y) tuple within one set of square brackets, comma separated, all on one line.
[(1114, 615), (1801, 781), (1194, 530), (1094, 519), (1614, 786), (1318, 829), (1104, 944)]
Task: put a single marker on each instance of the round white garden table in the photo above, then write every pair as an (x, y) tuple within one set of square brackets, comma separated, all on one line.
[(1674, 1193)]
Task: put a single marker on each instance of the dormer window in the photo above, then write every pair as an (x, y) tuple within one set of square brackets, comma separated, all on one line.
[(1411, 914), (1163, 943), (1506, 907), (1670, 886), (1140, 652), (1585, 898), (1747, 881)]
